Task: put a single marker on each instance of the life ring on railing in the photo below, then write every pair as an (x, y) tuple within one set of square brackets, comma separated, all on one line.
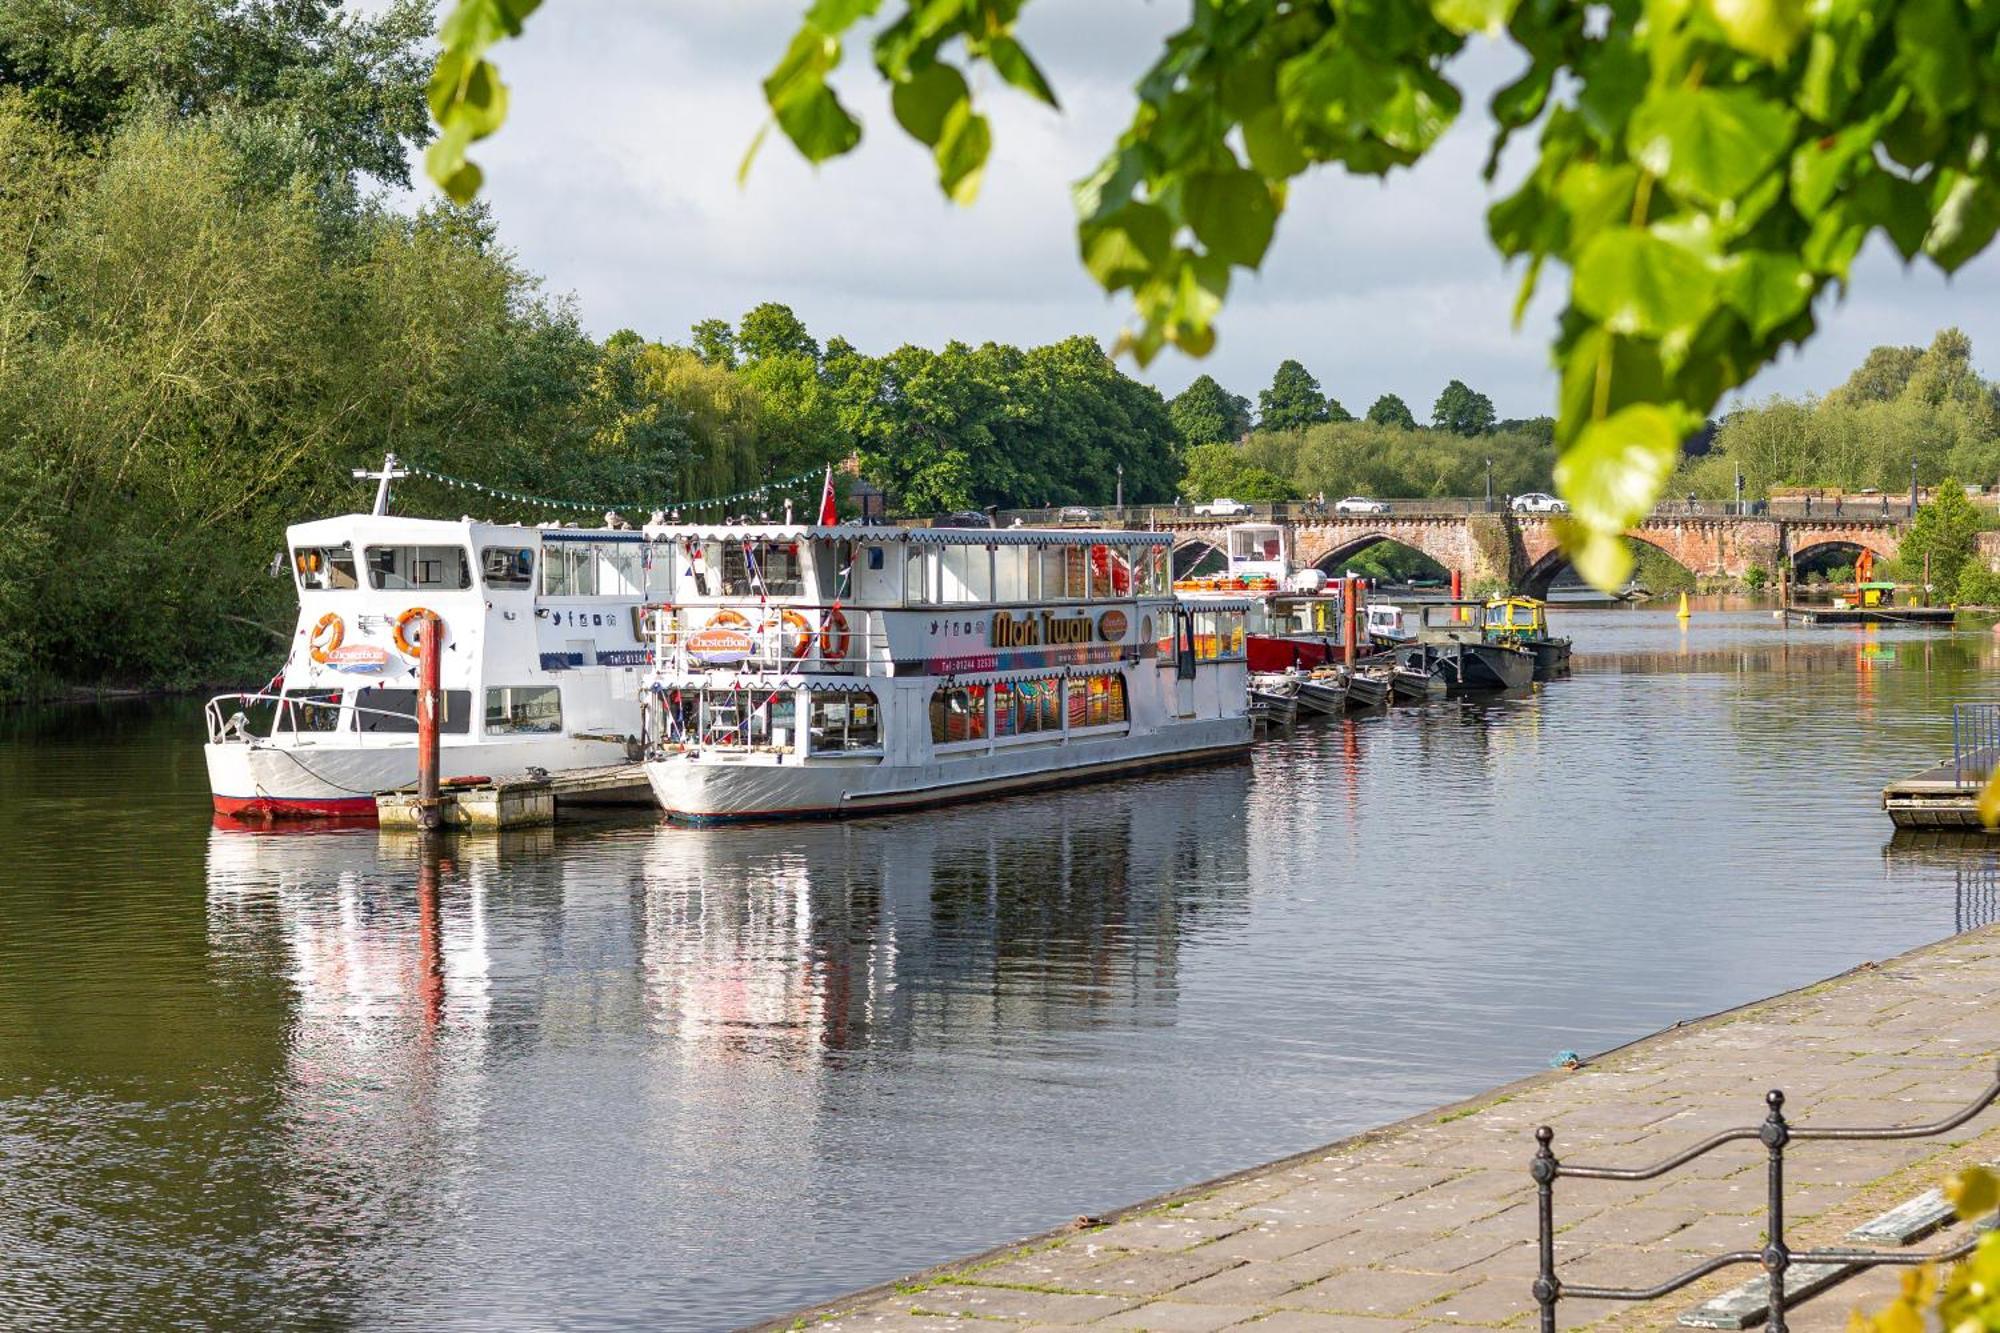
[(322, 651), (801, 641), (834, 638), (404, 644), (728, 616)]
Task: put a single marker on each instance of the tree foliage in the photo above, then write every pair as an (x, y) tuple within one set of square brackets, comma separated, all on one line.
[(337, 93), (1903, 405), (1207, 413), (1703, 170), (1462, 411), (1218, 470), (1367, 458), (1294, 400), (1389, 410), (1942, 538)]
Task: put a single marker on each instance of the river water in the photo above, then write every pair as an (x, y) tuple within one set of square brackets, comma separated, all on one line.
[(625, 1075)]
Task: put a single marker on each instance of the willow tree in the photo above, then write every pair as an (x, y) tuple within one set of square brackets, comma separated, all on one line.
[(1705, 168)]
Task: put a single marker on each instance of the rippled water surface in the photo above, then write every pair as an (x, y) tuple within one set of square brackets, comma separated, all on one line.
[(621, 1075)]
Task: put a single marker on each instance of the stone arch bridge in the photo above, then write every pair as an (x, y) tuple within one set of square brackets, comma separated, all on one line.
[(1520, 551)]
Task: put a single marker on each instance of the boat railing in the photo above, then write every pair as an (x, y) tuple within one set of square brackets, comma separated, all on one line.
[(788, 638), (237, 725), (1975, 741)]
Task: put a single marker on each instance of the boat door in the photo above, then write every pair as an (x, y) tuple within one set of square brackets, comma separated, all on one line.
[(1184, 670)]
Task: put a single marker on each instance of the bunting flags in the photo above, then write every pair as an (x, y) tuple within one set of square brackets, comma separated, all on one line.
[(762, 492)]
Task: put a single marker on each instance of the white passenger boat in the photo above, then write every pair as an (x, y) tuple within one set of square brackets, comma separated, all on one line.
[(542, 662), (826, 671)]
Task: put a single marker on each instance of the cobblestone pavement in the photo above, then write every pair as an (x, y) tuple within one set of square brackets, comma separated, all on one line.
[(1430, 1224)]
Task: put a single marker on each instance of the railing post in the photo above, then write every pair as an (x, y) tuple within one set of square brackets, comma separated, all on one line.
[(1547, 1289), (1774, 1135)]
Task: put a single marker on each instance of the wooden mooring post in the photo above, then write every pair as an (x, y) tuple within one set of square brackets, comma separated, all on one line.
[(427, 724)]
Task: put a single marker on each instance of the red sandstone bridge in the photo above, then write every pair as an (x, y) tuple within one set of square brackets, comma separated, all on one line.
[(1520, 551)]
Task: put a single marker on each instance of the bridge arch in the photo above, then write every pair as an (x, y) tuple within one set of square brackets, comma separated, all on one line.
[(1543, 573), (1822, 552), (1191, 552), (1339, 557)]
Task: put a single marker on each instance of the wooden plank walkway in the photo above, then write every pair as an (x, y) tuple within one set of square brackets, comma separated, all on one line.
[(1429, 1224)]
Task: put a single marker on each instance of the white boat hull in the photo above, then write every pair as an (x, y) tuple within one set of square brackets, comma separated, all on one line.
[(260, 779), (715, 786)]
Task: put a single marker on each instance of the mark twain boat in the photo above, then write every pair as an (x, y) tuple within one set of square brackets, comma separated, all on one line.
[(541, 664), (806, 671)]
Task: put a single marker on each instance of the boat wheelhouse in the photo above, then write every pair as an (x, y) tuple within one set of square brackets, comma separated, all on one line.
[(541, 664), (827, 671), (1296, 615), (1524, 623)]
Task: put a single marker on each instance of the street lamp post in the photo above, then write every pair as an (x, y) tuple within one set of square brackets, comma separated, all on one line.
[(1739, 490), (1489, 485), (1913, 488), (1121, 488)]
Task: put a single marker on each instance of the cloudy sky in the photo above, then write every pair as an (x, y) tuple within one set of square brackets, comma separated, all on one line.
[(615, 178)]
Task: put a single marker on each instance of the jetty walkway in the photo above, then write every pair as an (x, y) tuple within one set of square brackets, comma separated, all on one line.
[(1430, 1224)]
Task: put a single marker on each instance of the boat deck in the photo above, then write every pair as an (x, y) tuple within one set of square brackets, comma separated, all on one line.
[(522, 802)]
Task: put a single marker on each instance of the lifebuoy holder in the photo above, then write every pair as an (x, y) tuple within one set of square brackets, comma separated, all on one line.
[(321, 652), (405, 645)]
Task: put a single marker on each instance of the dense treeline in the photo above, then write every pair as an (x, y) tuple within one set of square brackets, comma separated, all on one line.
[(1925, 405), (209, 316), (1302, 442)]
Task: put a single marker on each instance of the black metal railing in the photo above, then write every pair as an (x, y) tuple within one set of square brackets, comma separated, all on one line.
[(1975, 741), (1776, 1134)]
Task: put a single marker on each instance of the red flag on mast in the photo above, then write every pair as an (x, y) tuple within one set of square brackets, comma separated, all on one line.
[(828, 515)]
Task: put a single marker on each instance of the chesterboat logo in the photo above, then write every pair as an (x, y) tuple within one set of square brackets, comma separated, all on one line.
[(357, 657), (720, 647), (1039, 629)]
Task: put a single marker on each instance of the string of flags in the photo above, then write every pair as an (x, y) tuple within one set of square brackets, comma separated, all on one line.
[(762, 491)]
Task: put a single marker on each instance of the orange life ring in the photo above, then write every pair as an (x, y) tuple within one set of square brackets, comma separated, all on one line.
[(728, 616), (322, 651), (802, 637), (834, 640), (404, 645)]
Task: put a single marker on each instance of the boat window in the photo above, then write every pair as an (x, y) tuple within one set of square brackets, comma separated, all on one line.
[(967, 574), (519, 710), (762, 568), (1027, 707), (1218, 636), (407, 568), (919, 579), (1110, 573), (1156, 578), (569, 569), (1097, 701), (958, 713), (309, 710), (1012, 571), (325, 568), (747, 718), (833, 569), (663, 562), (507, 566), (395, 711), (620, 568), (844, 720)]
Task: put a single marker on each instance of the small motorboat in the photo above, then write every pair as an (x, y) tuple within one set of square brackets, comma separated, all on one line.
[(1324, 692), (1522, 622), (1274, 697), (1367, 687), (1415, 681)]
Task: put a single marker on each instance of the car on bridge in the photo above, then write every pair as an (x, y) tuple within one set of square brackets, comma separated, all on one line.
[(1222, 507), (1078, 514), (1538, 502), (1361, 504)]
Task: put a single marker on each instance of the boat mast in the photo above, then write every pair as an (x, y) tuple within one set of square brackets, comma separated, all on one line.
[(391, 469)]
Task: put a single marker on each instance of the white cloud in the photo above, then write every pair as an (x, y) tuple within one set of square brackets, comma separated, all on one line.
[(616, 179)]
